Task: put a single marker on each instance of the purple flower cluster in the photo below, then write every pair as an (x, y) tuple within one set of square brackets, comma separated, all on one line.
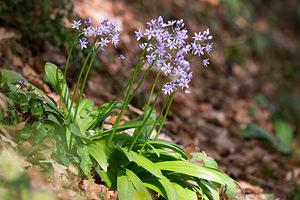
[(106, 32), (169, 49)]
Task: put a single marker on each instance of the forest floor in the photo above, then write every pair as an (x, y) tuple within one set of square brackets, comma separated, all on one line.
[(206, 120)]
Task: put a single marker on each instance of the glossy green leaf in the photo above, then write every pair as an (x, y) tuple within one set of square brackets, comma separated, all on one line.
[(169, 145), (162, 154), (97, 151), (210, 162), (85, 163), (209, 190), (85, 117), (125, 187), (10, 76), (184, 193), (146, 164), (36, 107), (57, 81), (139, 186), (76, 131), (162, 186), (197, 171)]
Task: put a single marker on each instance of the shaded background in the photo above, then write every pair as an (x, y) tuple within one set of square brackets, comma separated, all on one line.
[(253, 75)]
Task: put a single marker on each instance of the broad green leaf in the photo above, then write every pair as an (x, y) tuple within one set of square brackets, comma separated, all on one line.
[(284, 135), (139, 186), (210, 162), (146, 164), (162, 186), (255, 131), (106, 178), (184, 193), (86, 162), (125, 187), (209, 190), (129, 155), (169, 145), (197, 171), (75, 130), (162, 154), (57, 81), (85, 117), (25, 133), (97, 149), (9, 76), (36, 107)]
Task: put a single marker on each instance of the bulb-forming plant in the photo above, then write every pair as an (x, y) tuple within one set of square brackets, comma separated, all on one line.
[(140, 165)]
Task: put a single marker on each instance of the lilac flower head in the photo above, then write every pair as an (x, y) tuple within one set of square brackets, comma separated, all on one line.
[(167, 48), (104, 33), (76, 24)]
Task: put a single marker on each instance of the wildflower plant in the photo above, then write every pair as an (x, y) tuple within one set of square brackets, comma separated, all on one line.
[(134, 165)]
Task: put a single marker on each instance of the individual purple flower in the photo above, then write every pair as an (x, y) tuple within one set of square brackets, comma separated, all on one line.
[(103, 42), (198, 49), (167, 68), (206, 62), (76, 24), (88, 31), (122, 57), (208, 47), (115, 40), (168, 89), (88, 21), (151, 23), (187, 91), (21, 81), (172, 44), (83, 43), (139, 34), (97, 31), (150, 59), (150, 32), (142, 46), (198, 37)]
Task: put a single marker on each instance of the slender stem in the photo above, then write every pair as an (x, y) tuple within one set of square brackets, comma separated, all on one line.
[(116, 124), (118, 96), (139, 130), (165, 116), (140, 83), (78, 80), (153, 127), (84, 80), (147, 116), (66, 67), (152, 90)]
